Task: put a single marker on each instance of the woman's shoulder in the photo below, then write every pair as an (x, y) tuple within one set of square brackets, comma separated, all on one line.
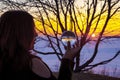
[(35, 57), (40, 68)]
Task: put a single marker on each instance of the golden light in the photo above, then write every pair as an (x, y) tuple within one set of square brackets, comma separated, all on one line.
[(112, 28), (93, 35)]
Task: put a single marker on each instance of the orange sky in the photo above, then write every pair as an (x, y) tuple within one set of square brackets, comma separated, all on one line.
[(113, 27)]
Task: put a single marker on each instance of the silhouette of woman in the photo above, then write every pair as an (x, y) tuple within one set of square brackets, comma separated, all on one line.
[(17, 35)]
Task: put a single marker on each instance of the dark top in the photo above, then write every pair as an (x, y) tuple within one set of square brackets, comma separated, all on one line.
[(65, 73)]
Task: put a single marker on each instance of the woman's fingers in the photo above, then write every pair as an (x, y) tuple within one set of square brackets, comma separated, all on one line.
[(68, 47)]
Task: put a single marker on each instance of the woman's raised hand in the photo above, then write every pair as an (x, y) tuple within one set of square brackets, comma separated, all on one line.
[(71, 52)]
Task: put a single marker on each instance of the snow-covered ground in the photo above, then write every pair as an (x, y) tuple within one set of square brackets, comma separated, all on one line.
[(107, 50)]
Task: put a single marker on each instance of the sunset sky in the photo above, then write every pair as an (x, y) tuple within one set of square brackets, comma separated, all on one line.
[(113, 27)]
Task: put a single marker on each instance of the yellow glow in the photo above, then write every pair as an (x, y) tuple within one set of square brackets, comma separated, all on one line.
[(67, 39), (93, 35), (112, 29)]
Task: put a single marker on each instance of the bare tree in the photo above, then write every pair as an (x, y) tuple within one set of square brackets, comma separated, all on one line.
[(57, 16)]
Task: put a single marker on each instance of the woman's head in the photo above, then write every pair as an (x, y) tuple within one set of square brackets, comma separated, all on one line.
[(16, 28), (17, 33)]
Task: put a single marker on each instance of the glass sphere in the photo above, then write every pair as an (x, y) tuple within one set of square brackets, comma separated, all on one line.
[(68, 36)]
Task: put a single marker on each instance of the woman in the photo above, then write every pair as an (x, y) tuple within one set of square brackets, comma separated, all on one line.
[(17, 34)]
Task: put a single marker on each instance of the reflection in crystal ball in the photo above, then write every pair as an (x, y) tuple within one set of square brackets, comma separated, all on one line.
[(68, 36)]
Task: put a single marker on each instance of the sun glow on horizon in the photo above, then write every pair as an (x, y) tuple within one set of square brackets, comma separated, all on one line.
[(93, 35), (112, 29)]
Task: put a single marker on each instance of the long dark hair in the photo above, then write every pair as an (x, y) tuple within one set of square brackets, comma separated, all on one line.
[(17, 32)]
